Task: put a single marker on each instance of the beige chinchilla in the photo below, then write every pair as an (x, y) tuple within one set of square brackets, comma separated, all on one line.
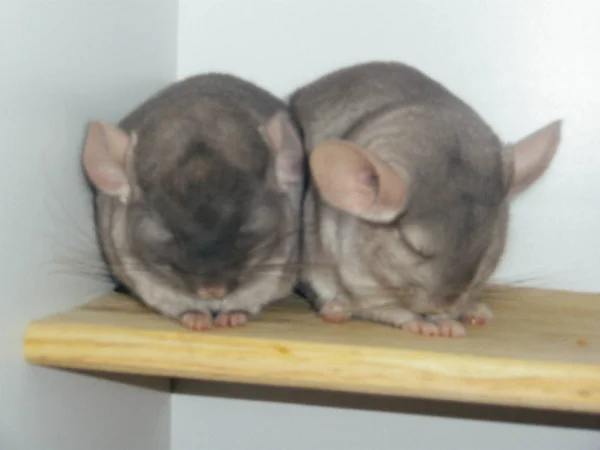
[(407, 208)]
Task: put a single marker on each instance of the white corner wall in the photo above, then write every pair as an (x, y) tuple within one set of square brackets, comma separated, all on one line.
[(63, 63), (521, 64)]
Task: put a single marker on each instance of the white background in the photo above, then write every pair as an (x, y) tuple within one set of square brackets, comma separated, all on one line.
[(63, 63), (520, 64)]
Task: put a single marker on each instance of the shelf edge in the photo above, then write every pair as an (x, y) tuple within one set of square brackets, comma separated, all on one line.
[(370, 370)]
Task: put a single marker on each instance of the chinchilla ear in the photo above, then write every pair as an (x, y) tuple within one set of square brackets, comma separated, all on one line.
[(281, 135), (105, 156), (529, 158), (355, 180)]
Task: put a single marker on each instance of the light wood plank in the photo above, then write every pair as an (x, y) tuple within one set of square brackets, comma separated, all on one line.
[(542, 350)]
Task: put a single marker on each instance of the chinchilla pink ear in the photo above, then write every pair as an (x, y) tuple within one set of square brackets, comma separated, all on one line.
[(105, 157), (355, 180), (532, 155), (282, 137)]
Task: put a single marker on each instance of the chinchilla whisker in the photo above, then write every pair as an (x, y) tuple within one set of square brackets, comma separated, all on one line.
[(74, 267), (63, 214), (77, 232), (71, 244), (533, 277), (80, 273), (74, 261)]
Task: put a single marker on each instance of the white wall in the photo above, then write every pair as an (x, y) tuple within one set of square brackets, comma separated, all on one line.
[(226, 424), (521, 64), (63, 63)]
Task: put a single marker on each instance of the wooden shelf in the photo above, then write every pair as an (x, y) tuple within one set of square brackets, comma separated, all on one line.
[(542, 350)]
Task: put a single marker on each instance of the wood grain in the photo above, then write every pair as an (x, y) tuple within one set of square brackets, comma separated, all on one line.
[(542, 350)]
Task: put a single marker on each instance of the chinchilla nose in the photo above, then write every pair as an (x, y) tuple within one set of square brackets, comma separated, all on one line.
[(211, 291)]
